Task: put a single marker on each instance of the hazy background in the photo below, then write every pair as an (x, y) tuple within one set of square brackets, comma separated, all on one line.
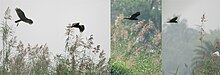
[(50, 18), (192, 10), (180, 40)]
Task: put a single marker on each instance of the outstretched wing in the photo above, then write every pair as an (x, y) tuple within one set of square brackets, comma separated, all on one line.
[(20, 13), (174, 19), (82, 28), (135, 15), (75, 24)]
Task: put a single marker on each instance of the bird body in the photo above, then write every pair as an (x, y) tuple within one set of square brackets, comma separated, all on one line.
[(134, 16), (76, 25), (173, 20), (22, 16)]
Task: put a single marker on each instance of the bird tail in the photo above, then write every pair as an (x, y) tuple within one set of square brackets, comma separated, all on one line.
[(17, 21)]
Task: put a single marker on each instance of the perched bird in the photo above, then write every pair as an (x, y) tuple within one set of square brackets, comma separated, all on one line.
[(76, 25), (22, 17), (173, 20), (134, 16)]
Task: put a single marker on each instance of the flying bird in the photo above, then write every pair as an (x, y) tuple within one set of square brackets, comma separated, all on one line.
[(76, 25), (22, 17), (134, 16), (173, 20)]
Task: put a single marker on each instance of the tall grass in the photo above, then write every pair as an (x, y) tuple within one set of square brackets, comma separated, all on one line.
[(205, 63), (82, 56), (7, 42), (135, 48), (18, 59)]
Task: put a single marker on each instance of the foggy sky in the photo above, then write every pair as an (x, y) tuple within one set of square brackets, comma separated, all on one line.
[(192, 10)]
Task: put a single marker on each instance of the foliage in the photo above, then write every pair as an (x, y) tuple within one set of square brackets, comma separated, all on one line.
[(176, 73), (135, 45), (16, 59), (120, 68), (7, 41), (81, 56), (178, 44), (145, 7), (205, 62)]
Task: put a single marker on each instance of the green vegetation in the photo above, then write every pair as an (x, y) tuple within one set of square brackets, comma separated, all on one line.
[(205, 62), (135, 45), (82, 56), (183, 46)]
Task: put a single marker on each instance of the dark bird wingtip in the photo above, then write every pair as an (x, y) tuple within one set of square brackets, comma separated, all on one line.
[(83, 28)]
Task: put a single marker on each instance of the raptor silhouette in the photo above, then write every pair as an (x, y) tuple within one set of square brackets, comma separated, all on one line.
[(76, 25), (133, 16), (173, 20), (22, 17)]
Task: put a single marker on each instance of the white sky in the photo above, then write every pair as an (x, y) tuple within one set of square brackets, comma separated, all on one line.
[(192, 10), (51, 17)]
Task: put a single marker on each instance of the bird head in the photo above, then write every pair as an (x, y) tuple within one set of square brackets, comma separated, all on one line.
[(29, 21)]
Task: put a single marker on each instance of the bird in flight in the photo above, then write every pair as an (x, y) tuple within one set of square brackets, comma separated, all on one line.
[(134, 16), (173, 20), (76, 25), (22, 17)]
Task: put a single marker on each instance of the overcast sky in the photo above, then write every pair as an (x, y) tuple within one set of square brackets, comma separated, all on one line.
[(51, 17), (192, 10)]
